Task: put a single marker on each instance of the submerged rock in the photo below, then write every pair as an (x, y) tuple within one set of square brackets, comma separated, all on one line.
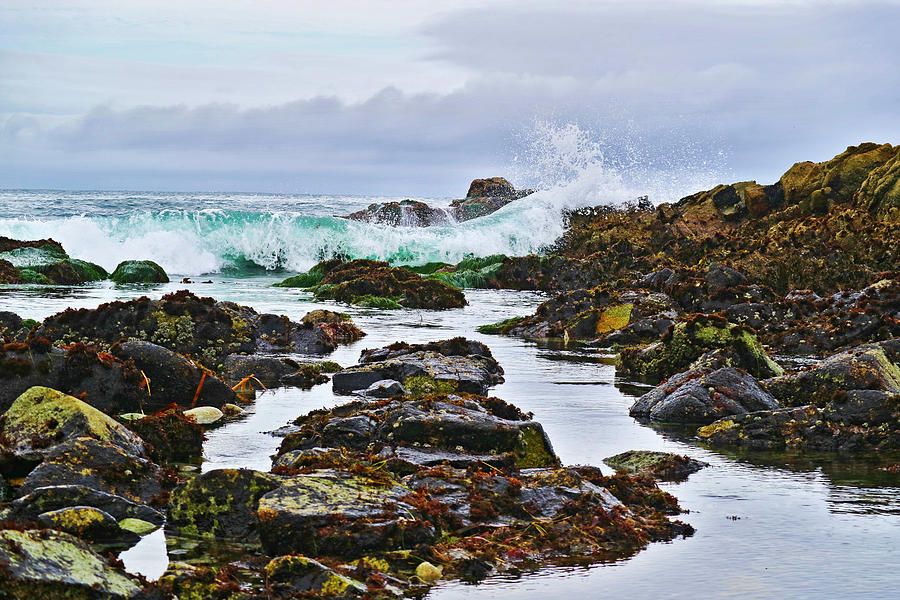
[(139, 271), (52, 565), (702, 395)]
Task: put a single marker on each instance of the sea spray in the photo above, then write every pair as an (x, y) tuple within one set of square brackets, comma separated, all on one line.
[(194, 234)]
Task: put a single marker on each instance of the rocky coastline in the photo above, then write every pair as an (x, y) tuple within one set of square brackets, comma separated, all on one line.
[(419, 474)]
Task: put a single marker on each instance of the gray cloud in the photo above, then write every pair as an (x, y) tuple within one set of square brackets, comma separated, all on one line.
[(672, 84)]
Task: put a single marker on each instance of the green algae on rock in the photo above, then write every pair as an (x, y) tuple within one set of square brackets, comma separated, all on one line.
[(88, 523), (660, 465), (52, 565), (45, 262), (221, 504), (41, 418), (689, 340), (139, 271), (287, 576)]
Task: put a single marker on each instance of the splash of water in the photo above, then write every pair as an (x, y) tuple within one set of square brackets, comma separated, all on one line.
[(567, 164)]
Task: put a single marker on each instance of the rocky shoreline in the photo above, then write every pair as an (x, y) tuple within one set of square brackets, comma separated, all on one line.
[(421, 474)]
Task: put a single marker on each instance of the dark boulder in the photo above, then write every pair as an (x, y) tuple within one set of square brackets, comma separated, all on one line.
[(405, 213), (457, 364), (168, 435), (100, 379), (863, 368), (173, 378), (201, 328), (55, 497), (686, 341), (99, 465), (702, 396)]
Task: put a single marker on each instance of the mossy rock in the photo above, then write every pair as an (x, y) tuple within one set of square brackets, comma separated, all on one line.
[(329, 513), (193, 582), (287, 576), (221, 503), (51, 565), (89, 271), (42, 417), (661, 465), (88, 523), (501, 327), (689, 340), (139, 271), (92, 463)]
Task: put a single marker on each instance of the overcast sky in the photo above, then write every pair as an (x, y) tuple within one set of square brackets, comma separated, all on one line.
[(417, 98)]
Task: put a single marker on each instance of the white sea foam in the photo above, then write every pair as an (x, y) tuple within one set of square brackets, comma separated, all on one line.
[(566, 163)]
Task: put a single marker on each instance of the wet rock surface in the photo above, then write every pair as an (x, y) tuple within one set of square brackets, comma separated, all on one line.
[(484, 197), (202, 328), (53, 565), (661, 465), (376, 284), (139, 271), (449, 365), (702, 396)]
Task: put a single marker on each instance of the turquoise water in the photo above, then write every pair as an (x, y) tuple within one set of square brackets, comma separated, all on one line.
[(767, 525), (196, 234)]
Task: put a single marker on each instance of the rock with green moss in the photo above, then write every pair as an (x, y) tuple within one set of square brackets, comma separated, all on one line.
[(472, 272), (689, 340), (221, 504), (703, 395), (52, 565), (139, 271), (855, 421), (329, 513), (45, 262), (206, 330), (457, 423), (55, 497), (457, 364), (288, 576), (862, 368), (194, 582), (87, 523), (96, 464), (379, 285), (41, 418), (660, 465)]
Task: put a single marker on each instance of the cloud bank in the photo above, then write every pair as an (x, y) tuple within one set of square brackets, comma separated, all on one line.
[(675, 86)]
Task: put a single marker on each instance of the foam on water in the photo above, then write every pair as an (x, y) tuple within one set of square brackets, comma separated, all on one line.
[(196, 234)]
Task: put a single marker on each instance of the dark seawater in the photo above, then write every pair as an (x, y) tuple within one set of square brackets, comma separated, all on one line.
[(768, 525)]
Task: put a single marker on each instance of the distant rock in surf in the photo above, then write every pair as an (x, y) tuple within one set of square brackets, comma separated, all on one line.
[(484, 197)]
